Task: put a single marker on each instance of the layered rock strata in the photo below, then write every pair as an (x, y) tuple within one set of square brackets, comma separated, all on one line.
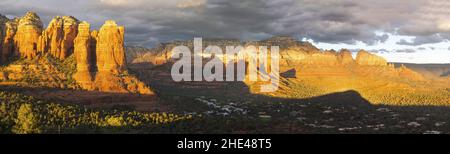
[(99, 55)]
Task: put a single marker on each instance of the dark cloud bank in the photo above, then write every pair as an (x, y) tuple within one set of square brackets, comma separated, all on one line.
[(149, 22)]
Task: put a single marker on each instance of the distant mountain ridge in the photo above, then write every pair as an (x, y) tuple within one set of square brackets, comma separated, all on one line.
[(290, 49), (307, 71), (431, 71), (293, 54)]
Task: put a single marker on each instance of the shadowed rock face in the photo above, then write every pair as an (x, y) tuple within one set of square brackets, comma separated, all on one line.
[(3, 20), (59, 36), (8, 40), (29, 29)]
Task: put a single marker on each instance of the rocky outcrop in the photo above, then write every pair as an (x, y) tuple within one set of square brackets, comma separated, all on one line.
[(29, 28), (345, 57), (327, 58), (365, 58), (100, 53), (3, 20), (134, 52), (110, 48), (111, 62), (83, 54), (8, 40), (8, 47), (58, 38)]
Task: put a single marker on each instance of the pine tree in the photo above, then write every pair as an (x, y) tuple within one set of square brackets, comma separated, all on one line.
[(27, 121)]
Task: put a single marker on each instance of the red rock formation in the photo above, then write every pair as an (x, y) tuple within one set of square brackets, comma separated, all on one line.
[(29, 29), (59, 36), (8, 40), (365, 58), (3, 20), (83, 53), (7, 32), (327, 58), (65, 36), (345, 57), (110, 48), (110, 57)]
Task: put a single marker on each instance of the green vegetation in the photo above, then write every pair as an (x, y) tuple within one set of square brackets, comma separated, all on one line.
[(23, 114), (68, 67), (27, 120)]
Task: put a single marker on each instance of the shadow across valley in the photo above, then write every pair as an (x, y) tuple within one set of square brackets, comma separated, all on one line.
[(235, 109), (91, 99), (340, 112)]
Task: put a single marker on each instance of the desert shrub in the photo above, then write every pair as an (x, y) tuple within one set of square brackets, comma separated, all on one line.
[(23, 114), (67, 66), (27, 121), (115, 121)]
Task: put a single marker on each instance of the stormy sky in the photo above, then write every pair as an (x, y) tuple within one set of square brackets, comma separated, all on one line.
[(400, 30)]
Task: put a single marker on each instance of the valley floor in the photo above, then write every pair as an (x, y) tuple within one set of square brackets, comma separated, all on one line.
[(345, 112)]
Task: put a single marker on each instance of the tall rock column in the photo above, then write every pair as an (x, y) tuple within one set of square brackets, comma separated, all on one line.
[(110, 48), (70, 28), (110, 58), (8, 40), (28, 32), (3, 21), (83, 52)]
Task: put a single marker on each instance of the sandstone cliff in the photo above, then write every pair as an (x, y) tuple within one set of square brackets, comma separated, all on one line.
[(83, 54), (95, 53), (365, 58), (101, 53), (29, 28), (9, 32), (110, 48), (59, 37), (3, 20), (345, 57)]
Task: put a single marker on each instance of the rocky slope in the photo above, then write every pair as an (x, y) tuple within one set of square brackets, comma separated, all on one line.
[(99, 56)]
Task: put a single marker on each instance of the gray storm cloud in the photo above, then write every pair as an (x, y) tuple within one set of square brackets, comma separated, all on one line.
[(149, 22)]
